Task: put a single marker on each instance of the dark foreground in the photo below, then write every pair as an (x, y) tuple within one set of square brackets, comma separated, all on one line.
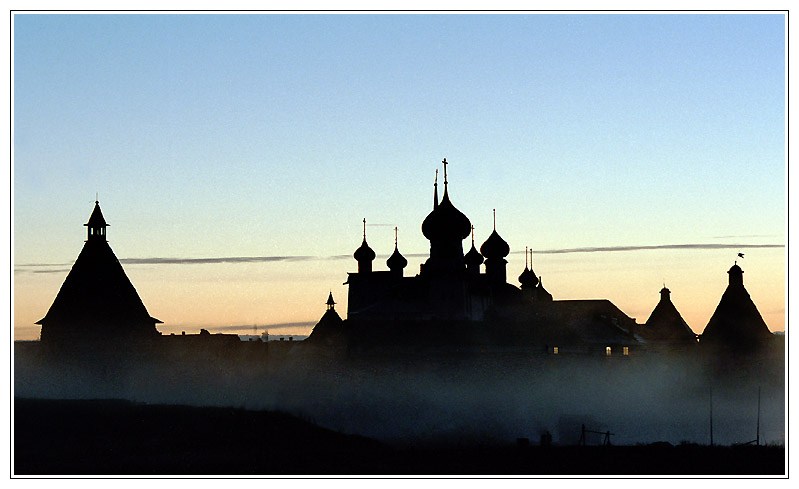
[(106, 437)]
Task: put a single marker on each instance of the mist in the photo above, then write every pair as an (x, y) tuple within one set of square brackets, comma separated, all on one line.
[(426, 398)]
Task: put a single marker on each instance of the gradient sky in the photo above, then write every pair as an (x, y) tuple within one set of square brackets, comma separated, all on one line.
[(272, 136)]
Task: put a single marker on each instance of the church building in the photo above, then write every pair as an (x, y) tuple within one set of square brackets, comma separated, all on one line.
[(464, 299)]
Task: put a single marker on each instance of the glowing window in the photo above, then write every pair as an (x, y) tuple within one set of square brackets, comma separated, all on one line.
[(555, 350), (625, 351), (607, 351)]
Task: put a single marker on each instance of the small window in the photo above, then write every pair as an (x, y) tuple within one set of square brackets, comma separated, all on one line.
[(607, 351), (625, 351), (554, 350)]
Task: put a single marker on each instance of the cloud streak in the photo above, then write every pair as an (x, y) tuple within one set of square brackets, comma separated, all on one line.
[(691, 246), (43, 267)]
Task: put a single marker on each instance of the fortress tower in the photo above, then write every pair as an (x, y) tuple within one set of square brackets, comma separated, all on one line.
[(97, 302), (736, 325)]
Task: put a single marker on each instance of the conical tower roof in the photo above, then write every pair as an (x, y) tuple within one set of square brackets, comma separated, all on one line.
[(96, 219), (97, 301), (736, 323), (666, 324)]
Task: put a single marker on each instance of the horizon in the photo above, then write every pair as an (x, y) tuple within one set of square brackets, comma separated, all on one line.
[(235, 156)]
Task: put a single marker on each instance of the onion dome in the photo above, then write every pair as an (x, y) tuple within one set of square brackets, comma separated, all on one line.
[(495, 246), (473, 257), (525, 279), (364, 253), (445, 222), (396, 261)]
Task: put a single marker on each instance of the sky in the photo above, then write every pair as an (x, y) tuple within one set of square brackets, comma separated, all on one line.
[(235, 156)]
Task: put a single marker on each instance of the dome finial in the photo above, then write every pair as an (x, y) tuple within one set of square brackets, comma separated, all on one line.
[(525, 258), (472, 236), (364, 229), (445, 173), (495, 219), (395, 237)]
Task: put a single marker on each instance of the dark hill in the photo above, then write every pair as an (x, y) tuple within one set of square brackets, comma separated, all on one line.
[(112, 437), (79, 437)]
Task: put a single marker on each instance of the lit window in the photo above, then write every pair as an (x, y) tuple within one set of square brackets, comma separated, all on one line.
[(555, 350), (625, 351), (607, 351)]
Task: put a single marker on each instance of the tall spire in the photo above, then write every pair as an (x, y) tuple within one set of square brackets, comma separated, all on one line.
[(445, 174), (364, 229), (525, 258), (395, 237), (435, 191), (495, 219), (472, 236)]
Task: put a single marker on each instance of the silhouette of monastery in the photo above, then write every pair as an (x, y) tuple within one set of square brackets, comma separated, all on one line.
[(451, 302), (457, 302)]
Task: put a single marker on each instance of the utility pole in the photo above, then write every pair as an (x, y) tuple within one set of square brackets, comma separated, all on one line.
[(757, 440), (711, 416)]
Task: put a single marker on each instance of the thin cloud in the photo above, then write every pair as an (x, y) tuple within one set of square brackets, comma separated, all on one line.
[(34, 267), (692, 246)]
